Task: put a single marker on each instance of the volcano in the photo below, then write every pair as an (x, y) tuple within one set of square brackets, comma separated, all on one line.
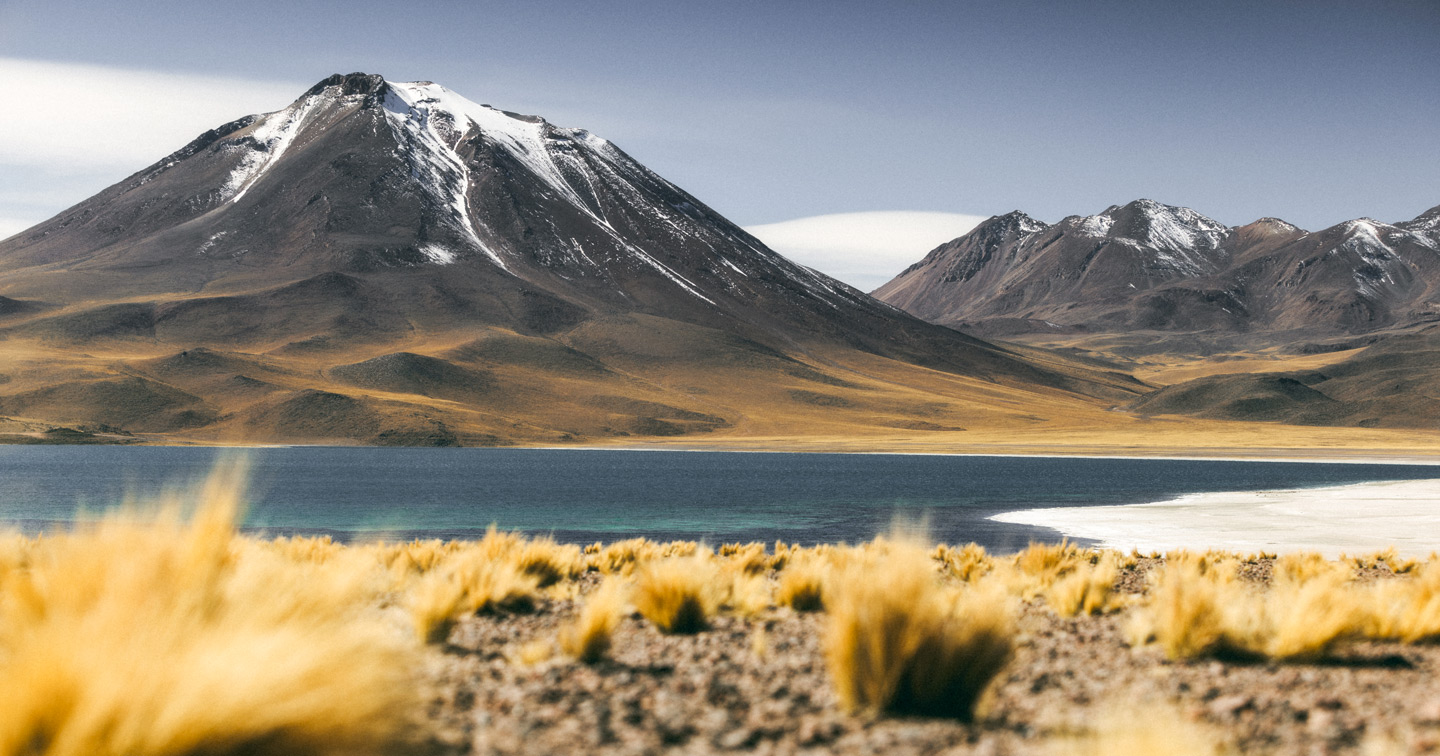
[(387, 262)]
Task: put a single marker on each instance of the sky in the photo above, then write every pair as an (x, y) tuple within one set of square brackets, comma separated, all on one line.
[(852, 136)]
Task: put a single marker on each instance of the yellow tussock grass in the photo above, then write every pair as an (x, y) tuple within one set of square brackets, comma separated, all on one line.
[(1089, 589), (1031, 572), (967, 563), (1406, 609), (471, 582), (677, 595), (168, 636), (550, 562), (1197, 608), (749, 558), (802, 586), (896, 641), (747, 595), (590, 636)]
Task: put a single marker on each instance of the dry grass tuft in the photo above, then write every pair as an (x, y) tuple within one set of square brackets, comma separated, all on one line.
[(967, 563), (897, 641), (1198, 608), (677, 595), (802, 587), (471, 582), (1406, 609), (166, 635), (1089, 589), (549, 562), (588, 639)]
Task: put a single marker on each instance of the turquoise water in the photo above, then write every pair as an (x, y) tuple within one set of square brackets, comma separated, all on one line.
[(586, 495)]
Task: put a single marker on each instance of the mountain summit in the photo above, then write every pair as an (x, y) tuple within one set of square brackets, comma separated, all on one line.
[(380, 257)]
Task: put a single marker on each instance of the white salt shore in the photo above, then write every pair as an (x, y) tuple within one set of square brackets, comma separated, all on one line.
[(1353, 519)]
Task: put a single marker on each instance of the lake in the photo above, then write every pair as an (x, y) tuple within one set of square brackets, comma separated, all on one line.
[(588, 495)]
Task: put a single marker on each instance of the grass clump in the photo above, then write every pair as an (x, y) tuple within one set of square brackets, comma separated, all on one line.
[(1407, 609), (473, 582), (677, 595), (164, 635), (1197, 608), (967, 563), (802, 587), (898, 642), (589, 637), (1088, 590)]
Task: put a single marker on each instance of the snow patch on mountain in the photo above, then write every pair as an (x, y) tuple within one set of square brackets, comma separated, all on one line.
[(1181, 229), (1177, 238), (523, 137), (437, 254), (431, 136), (1094, 225), (433, 121), (1377, 259), (268, 142)]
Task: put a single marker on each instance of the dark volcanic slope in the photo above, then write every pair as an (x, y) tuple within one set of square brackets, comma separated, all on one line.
[(1152, 267)]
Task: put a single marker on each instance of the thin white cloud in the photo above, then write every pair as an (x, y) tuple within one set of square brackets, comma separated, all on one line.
[(863, 249), (11, 226), (69, 117)]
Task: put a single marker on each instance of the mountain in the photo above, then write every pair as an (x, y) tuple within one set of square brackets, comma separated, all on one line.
[(389, 262), (1149, 268), (1171, 288)]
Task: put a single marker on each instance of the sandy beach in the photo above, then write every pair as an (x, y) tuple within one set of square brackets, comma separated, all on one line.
[(1350, 519)]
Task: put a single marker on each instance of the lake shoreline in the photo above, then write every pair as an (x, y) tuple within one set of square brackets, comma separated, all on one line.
[(802, 445)]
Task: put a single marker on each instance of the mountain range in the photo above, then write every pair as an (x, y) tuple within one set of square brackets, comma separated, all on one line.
[(387, 262), (1152, 271), (1147, 282)]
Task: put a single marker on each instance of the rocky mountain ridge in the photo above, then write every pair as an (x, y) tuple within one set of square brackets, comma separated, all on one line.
[(1149, 267)]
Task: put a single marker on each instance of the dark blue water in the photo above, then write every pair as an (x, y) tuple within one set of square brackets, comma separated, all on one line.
[(584, 496)]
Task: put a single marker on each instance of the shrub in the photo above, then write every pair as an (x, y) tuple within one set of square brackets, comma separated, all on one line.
[(802, 587), (1198, 609), (1406, 609), (549, 562), (165, 636), (897, 642), (588, 638), (1090, 589), (677, 595), (472, 582), (967, 563)]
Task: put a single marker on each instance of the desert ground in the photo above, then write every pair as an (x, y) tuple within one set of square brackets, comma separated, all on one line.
[(163, 631)]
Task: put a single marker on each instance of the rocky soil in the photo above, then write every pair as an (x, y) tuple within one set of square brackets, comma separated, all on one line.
[(760, 685)]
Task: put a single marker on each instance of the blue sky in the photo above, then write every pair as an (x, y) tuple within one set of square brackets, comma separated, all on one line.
[(1310, 110)]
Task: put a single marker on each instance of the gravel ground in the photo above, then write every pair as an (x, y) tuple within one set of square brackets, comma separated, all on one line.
[(760, 685)]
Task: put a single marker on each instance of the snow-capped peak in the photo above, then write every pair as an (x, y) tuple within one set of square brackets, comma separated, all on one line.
[(524, 137), (1021, 222), (1178, 237), (1426, 222), (1173, 228)]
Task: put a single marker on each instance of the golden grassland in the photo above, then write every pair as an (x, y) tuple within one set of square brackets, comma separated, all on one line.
[(540, 392), (164, 631)]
